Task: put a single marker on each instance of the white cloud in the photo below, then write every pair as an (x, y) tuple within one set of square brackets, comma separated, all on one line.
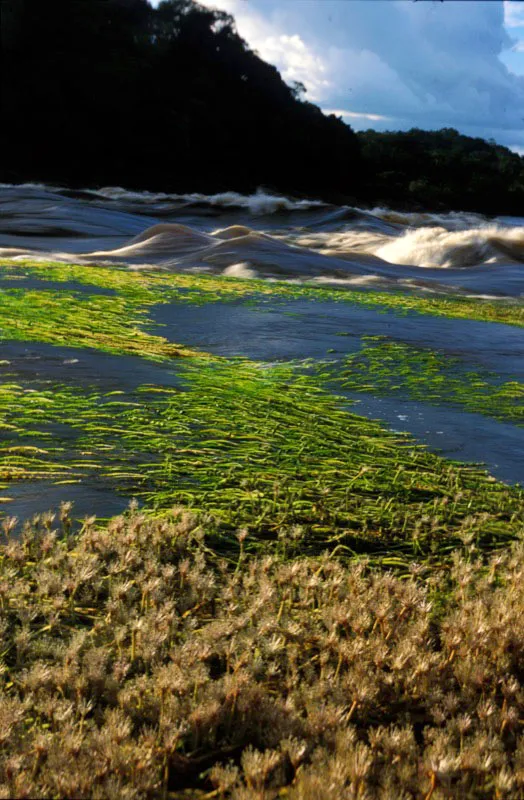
[(296, 63), (339, 112), (513, 14), (396, 64), (286, 50)]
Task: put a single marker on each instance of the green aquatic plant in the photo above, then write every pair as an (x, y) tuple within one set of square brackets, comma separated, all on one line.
[(260, 448), (113, 324), (387, 367), (156, 286)]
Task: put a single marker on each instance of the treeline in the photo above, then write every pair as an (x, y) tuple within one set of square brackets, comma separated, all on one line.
[(104, 92), (442, 170), (98, 92)]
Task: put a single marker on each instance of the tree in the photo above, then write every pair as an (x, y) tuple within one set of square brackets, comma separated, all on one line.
[(169, 98)]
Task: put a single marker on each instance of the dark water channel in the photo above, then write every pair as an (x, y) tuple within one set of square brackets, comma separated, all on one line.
[(296, 330), (37, 365), (27, 362)]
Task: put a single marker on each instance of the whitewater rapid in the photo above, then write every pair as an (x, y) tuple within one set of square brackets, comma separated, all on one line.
[(265, 236)]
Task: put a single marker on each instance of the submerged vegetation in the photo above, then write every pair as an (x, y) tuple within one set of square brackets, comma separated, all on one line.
[(74, 319), (386, 367), (139, 290), (259, 446), (307, 605), (262, 449)]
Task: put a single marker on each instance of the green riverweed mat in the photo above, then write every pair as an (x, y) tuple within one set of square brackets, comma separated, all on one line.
[(61, 317), (384, 367), (261, 448), (147, 287)]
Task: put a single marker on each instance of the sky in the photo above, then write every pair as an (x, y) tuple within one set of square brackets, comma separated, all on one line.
[(398, 64)]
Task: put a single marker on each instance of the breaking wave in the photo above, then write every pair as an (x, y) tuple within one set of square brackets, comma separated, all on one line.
[(265, 235), (452, 220), (260, 203), (437, 247)]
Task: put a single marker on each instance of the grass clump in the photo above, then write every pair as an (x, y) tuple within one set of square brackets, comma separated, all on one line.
[(73, 319), (138, 664), (390, 368)]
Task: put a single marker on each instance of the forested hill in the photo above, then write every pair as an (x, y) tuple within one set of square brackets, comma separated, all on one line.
[(442, 170), (98, 92), (116, 92)]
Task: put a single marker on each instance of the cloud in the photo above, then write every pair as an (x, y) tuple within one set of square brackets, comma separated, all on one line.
[(287, 50), (396, 64), (513, 14), (354, 115), (297, 63)]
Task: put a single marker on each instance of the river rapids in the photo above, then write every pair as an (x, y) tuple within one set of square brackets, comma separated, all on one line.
[(272, 237), (266, 236)]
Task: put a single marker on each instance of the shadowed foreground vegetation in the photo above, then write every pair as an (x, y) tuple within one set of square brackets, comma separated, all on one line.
[(138, 664)]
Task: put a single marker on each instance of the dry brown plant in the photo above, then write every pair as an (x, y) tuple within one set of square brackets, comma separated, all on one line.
[(136, 663)]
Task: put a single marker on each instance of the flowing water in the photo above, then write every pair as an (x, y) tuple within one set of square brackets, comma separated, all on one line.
[(266, 236), (271, 237)]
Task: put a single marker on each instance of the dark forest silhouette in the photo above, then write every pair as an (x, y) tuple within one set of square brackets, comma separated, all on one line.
[(98, 92)]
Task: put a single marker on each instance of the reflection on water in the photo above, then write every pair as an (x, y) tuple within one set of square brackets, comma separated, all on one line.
[(89, 498)]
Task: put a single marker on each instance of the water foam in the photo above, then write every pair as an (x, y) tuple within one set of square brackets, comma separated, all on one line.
[(451, 220), (438, 247), (258, 204), (240, 270)]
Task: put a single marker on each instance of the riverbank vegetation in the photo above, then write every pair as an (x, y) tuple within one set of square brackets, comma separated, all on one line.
[(138, 663), (170, 80), (305, 604)]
